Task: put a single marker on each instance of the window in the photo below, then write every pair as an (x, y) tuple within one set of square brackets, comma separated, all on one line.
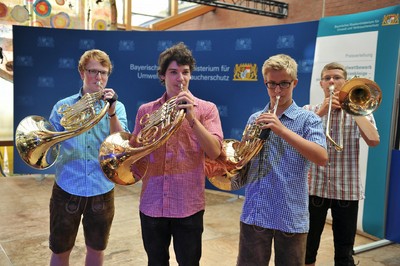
[(145, 13)]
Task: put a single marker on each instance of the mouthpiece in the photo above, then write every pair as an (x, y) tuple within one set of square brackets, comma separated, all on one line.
[(265, 132), (276, 103), (183, 102), (98, 83)]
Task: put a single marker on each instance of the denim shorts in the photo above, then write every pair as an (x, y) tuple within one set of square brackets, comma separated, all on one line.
[(66, 211), (257, 243)]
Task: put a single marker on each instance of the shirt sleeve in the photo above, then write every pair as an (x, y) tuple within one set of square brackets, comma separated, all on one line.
[(314, 130), (121, 113)]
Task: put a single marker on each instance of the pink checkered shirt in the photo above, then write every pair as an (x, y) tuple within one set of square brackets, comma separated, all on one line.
[(175, 180), (340, 177)]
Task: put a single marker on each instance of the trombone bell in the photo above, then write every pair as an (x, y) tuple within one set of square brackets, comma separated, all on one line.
[(360, 96)]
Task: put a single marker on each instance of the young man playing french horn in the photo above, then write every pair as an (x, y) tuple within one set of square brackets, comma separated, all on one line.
[(276, 198), (80, 188), (172, 199)]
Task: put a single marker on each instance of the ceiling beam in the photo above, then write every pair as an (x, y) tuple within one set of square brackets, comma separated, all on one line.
[(181, 18), (268, 8)]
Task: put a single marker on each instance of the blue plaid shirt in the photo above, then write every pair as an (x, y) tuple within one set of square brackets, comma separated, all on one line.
[(77, 167), (277, 193)]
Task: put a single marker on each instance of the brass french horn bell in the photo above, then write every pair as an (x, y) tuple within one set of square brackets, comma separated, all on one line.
[(37, 142), (223, 172), (120, 162)]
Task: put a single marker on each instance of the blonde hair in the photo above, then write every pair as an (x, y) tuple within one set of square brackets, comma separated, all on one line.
[(334, 65), (280, 62)]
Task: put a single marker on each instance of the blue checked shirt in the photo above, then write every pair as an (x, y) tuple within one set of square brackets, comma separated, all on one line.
[(77, 167), (277, 190)]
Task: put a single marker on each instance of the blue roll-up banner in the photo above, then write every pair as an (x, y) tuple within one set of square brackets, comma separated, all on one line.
[(368, 45), (393, 214), (228, 73)]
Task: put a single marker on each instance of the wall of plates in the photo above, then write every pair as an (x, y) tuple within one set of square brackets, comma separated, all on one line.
[(62, 14), (65, 14)]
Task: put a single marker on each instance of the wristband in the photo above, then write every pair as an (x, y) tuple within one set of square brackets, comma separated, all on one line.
[(113, 99), (112, 115)]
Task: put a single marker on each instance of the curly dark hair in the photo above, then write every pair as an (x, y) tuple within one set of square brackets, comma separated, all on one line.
[(179, 53)]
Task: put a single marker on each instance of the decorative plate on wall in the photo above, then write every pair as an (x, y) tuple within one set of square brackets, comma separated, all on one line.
[(3, 10), (60, 20), (20, 13), (42, 8)]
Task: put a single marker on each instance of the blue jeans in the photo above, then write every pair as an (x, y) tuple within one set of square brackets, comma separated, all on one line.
[(186, 233), (255, 245), (344, 226)]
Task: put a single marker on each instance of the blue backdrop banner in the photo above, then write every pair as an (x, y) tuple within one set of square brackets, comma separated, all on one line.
[(228, 70)]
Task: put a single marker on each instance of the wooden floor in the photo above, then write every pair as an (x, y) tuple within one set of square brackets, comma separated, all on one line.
[(24, 226)]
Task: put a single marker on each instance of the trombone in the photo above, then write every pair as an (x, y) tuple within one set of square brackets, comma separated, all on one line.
[(358, 97), (338, 146)]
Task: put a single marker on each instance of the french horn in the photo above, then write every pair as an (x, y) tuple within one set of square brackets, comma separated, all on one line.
[(125, 164), (357, 97), (37, 142), (223, 172)]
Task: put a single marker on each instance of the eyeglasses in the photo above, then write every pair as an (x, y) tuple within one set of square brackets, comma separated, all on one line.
[(95, 72), (335, 78), (282, 85)]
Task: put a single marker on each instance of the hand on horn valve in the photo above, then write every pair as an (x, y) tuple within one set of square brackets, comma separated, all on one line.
[(113, 99)]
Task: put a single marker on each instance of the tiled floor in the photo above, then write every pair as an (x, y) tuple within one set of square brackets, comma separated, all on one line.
[(24, 229)]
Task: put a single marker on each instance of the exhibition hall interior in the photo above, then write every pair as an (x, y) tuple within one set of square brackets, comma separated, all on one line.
[(41, 42)]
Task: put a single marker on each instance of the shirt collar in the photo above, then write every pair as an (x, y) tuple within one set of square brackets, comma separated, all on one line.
[(291, 112), (78, 95)]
